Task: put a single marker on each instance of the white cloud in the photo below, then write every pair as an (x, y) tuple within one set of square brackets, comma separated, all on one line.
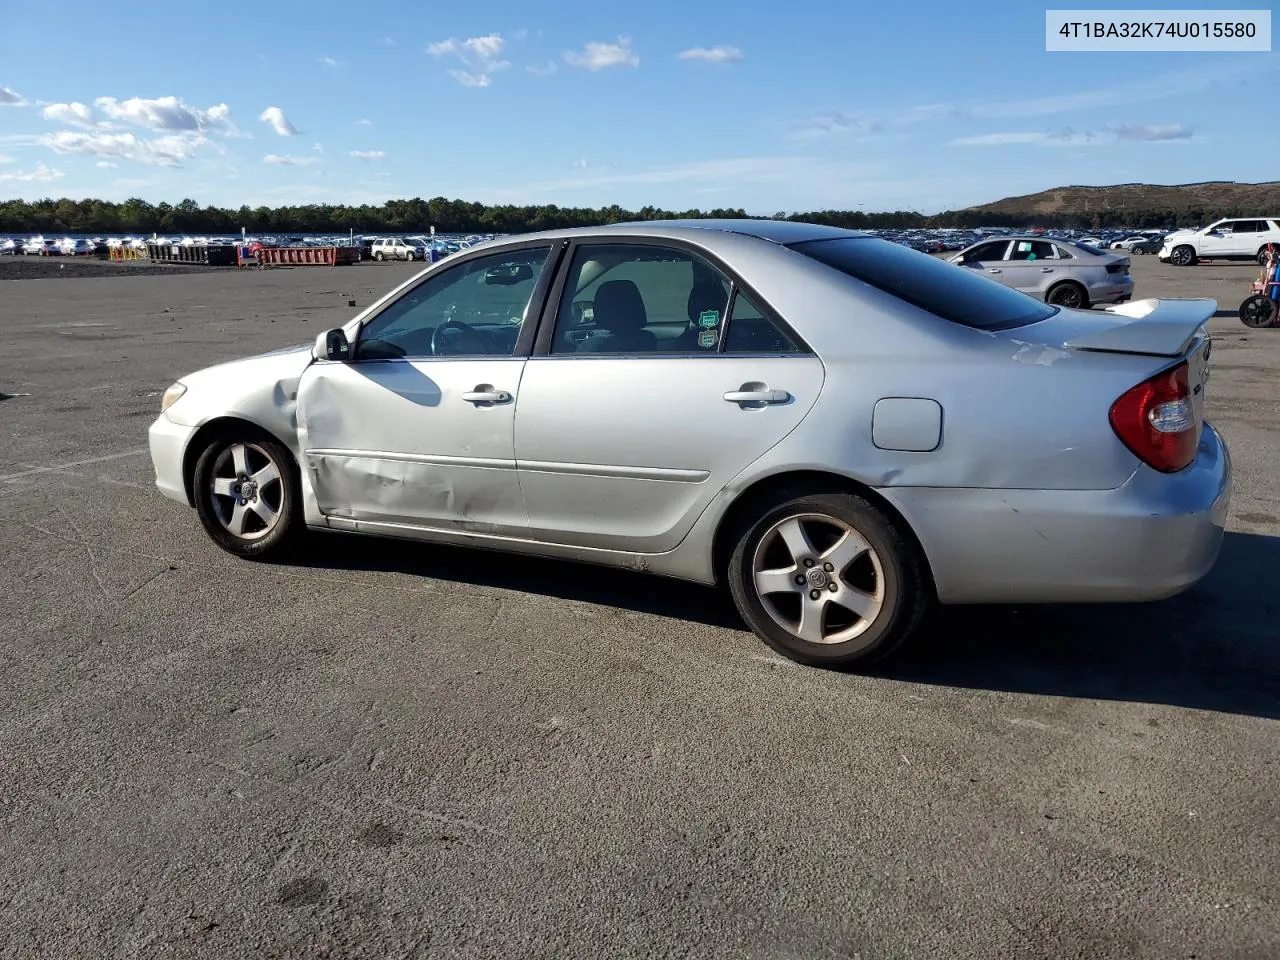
[(10, 97), (318, 147), (330, 62), (286, 160), (107, 165), (1143, 133), (368, 154), (388, 41), (167, 151), (4, 158), (75, 114), (471, 79), (521, 34), (481, 56), (41, 174), (364, 122), (718, 54), (545, 70), (279, 122), (168, 114), (1154, 132), (580, 164), (598, 56), (488, 47)]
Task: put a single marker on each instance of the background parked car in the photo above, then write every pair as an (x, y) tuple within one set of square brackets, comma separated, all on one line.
[(1055, 271), (400, 249), (1223, 240)]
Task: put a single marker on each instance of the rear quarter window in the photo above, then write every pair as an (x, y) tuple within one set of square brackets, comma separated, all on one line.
[(946, 290)]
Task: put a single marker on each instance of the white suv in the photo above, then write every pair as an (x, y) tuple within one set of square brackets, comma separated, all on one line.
[(399, 249), (1224, 240)]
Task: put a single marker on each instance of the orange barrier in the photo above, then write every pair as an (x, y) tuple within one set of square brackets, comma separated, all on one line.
[(308, 256), (126, 253)]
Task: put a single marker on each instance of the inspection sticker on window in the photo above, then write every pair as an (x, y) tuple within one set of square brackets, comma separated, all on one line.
[(1178, 31), (1024, 246), (708, 319), (708, 339)]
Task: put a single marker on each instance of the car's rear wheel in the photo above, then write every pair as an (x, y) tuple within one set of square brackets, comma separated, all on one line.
[(247, 494), (1262, 257), (1069, 294), (1183, 256), (828, 580), (1259, 311)]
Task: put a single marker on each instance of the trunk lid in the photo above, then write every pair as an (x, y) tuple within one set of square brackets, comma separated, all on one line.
[(1153, 327)]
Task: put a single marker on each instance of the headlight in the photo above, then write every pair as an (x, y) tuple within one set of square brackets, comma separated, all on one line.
[(170, 396)]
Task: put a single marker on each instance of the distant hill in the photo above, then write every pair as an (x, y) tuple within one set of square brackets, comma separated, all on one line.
[(1199, 201)]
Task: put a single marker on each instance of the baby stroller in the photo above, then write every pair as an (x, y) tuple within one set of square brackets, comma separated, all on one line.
[(1262, 309)]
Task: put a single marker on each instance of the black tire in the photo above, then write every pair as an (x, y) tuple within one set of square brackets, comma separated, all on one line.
[(1262, 257), (1068, 294), (1183, 256), (900, 576), (378, 256), (1259, 311), (283, 494)]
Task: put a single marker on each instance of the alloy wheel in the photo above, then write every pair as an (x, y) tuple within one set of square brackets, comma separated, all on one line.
[(246, 491), (818, 578)]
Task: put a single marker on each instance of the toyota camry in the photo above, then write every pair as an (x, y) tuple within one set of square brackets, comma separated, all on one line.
[(841, 430)]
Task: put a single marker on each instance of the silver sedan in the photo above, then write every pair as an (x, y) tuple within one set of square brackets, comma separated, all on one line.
[(1055, 271), (842, 430)]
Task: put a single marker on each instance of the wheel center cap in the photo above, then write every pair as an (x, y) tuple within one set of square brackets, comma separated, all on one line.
[(248, 490), (817, 577)]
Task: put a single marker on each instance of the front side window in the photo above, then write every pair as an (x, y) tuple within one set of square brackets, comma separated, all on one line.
[(987, 251), (960, 296), (640, 298), (473, 309)]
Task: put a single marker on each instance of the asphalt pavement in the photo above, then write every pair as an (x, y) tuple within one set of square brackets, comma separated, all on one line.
[(398, 750)]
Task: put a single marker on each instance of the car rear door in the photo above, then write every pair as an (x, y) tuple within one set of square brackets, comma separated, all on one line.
[(625, 432), (1032, 267), (989, 258)]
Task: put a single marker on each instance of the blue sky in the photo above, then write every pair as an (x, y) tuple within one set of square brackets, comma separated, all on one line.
[(767, 106)]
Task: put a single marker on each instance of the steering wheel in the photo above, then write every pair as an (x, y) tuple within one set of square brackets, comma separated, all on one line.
[(437, 340)]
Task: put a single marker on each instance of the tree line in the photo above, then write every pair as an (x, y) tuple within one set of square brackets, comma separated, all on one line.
[(136, 216)]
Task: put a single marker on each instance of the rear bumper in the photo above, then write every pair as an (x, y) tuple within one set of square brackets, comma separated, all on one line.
[(1114, 291), (1153, 537)]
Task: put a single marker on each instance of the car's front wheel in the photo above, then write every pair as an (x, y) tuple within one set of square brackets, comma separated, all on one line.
[(828, 580), (247, 494), (1183, 256), (1262, 257)]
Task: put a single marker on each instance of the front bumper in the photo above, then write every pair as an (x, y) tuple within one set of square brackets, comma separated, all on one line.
[(1153, 537), (168, 442)]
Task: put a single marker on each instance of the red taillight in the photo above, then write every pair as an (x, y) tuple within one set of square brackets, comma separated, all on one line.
[(1158, 421)]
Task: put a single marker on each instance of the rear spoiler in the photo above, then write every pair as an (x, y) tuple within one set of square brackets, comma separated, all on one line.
[(1161, 328)]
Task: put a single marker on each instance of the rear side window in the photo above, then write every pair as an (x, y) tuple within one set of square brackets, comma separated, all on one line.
[(945, 290)]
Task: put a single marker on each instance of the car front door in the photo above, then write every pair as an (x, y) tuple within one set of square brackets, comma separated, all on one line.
[(415, 430), (655, 381), (987, 258), (1218, 240)]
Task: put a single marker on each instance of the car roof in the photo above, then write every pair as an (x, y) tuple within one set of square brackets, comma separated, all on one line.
[(775, 231)]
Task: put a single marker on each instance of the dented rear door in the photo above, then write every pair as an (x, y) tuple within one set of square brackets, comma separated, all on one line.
[(425, 443)]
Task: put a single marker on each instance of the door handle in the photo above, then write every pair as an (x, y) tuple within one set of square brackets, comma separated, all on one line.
[(994, 270), (1046, 269), (757, 396), (485, 393)]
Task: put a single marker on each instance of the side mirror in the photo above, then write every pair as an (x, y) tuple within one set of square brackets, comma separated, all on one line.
[(332, 345)]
